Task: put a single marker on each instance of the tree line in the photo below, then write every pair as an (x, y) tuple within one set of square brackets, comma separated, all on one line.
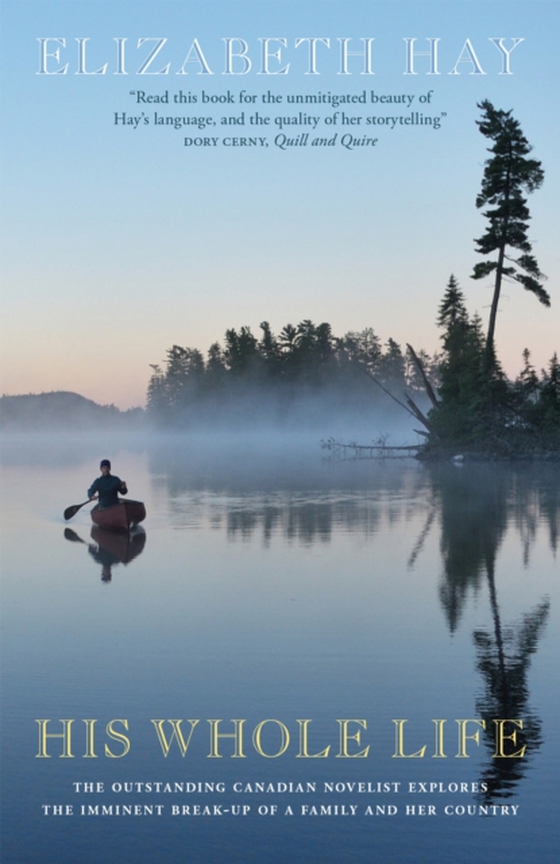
[(302, 360)]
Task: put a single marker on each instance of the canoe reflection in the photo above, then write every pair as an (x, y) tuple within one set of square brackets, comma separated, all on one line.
[(110, 548)]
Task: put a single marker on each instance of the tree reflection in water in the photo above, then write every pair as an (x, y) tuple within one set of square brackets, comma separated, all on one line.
[(503, 659), (476, 508), (475, 505)]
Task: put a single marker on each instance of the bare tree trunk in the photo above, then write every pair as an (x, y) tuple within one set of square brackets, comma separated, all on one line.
[(410, 407), (420, 416), (494, 307), (499, 274), (420, 366)]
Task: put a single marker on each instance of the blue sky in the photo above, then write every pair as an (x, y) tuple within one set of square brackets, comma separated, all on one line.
[(119, 242)]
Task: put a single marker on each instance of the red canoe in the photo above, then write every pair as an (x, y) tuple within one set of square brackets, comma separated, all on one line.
[(122, 517)]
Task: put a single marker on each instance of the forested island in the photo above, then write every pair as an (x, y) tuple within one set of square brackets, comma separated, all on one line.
[(252, 380), (460, 396)]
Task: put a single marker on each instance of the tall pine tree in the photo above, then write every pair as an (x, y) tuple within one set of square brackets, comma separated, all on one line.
[(508, 174)]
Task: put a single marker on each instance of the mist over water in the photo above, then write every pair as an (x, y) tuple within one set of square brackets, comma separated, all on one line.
[(298, 431)]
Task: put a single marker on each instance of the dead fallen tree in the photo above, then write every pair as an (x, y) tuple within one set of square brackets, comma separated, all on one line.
[(409, 405), (378, 450)]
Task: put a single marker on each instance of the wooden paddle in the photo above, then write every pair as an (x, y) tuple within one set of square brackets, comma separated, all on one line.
[(71, 511)]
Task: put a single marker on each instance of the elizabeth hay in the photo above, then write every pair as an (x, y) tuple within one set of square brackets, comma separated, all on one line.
[(271, 56)]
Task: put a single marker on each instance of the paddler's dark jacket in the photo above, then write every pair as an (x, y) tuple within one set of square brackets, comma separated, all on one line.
[(107, 487)]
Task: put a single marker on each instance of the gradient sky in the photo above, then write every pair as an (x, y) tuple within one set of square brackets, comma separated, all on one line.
[(118, 242)]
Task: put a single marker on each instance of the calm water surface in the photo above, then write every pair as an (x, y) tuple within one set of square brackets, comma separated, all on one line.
[(272, 585)]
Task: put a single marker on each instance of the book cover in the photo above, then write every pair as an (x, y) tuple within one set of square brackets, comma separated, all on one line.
[(314, 648)]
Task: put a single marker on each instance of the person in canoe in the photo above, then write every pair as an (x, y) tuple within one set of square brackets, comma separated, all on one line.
[(106, 487)]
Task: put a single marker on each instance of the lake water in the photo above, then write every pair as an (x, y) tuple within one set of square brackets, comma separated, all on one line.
[(318, 601)]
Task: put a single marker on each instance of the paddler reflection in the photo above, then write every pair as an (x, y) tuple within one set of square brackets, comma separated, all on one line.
[(110, 548)]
